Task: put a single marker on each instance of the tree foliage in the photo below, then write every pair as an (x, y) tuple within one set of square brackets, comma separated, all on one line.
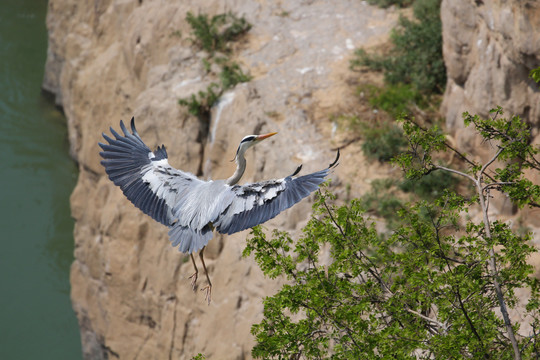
[(438, 286)]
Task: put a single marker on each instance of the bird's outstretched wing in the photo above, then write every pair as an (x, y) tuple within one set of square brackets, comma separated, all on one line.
[(192, 207), (145, 177), (253, 204)]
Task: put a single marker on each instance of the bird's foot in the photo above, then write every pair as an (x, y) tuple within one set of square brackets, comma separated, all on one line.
[(208, 296), (194, 280)]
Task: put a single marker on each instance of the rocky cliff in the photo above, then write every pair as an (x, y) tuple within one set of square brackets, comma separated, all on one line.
[(113, 59), (489, 48)]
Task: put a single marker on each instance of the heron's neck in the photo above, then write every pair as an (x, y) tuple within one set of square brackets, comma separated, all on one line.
[(240, 168)]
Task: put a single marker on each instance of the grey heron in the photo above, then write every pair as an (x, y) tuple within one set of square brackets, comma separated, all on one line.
[(193, 208)]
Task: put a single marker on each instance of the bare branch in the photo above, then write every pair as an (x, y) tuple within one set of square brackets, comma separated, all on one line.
[(456, 172), (491, 161), (493, 266), (495, 184), (433, 321)]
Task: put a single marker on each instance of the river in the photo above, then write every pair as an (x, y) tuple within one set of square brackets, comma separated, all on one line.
[(36, 178)]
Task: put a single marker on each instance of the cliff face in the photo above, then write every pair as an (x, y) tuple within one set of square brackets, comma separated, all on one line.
[(489, 48), (109, 60)]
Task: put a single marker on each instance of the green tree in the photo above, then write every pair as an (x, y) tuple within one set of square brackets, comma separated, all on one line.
[(439, 286)]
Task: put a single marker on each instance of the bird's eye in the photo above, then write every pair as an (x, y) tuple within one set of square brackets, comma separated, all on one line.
[(248, 138)]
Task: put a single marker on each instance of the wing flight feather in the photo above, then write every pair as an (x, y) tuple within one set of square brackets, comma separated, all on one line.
[(145, 177), (256, 203)]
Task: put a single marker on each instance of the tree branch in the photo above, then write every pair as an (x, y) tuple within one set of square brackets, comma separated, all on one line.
[(493, 267), (428, 319), (495, 184), (455, 172), (482, 171)]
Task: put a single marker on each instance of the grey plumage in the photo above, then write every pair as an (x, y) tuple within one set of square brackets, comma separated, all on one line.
[(193, 208)]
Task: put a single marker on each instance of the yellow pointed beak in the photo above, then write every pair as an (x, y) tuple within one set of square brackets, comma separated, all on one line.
[(265, 136)]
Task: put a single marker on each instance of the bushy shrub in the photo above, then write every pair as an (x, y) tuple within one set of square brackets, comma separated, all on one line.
[(231, 74), (395, 99), (214, 34), (383, 142), (416, 56), (535, 74)]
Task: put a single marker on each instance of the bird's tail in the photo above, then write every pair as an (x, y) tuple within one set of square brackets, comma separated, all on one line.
[(189, 240)]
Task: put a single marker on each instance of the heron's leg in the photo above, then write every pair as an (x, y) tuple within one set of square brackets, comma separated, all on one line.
[(195, 274), (208, 287)]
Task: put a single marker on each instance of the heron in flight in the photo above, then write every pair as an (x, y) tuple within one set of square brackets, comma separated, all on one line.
[(192, 208)]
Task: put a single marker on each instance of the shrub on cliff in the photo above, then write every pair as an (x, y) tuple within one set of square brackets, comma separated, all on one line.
[(214, 35), (535, 74), (439, 286), (416, 56)]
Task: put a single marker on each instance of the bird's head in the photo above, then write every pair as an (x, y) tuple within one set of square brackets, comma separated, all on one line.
[(250, 140)]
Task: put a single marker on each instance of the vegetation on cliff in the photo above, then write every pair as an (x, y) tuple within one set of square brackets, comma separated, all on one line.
[(214, 35), (414, 67)]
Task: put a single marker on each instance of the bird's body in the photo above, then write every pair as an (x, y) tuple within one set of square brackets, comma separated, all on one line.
[(193, 208)]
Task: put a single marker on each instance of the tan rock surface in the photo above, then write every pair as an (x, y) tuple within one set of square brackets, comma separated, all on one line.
[(489, 48), (109, 60)]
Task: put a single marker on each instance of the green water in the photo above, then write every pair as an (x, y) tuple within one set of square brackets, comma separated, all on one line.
[(36, 179)]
